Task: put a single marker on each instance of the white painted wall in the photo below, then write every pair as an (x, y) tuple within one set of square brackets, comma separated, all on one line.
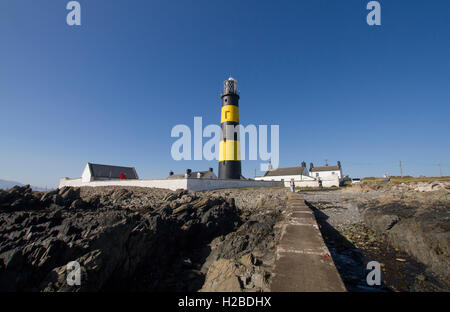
[(305, 181), (302, 183), (327, 175), (70, 182), (331, 182), (314, 183), (286, 178), (174, 184), (86, 175)]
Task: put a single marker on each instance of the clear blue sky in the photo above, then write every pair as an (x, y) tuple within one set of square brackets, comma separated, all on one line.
[(111, 90)]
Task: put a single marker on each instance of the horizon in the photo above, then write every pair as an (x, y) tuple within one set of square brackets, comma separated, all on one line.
[(110, 91)]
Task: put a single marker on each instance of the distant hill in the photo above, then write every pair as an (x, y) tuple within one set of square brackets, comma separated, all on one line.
[(5, 184)]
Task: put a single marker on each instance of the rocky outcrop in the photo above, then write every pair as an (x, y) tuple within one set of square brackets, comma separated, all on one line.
[(223, 275), (398, 225), (123, 238), (138, 239), (19, 198), (244, 257), (413, 186), (424, 186), (420, 229), (243, 260)]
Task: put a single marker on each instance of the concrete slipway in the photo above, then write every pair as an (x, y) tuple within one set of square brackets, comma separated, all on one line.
[(303, 263)]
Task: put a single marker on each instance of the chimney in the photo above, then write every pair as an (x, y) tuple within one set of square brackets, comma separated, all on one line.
[(303, 164), (210, 169), (188, 173), (339, 164), (311, 166), (171, 173)]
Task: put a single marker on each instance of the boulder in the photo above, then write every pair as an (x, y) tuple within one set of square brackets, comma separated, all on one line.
[(68, 195), (223, 277)]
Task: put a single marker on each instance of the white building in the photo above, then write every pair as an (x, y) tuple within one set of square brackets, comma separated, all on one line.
[(327, 175), (102, 175), (326, 172), (96, 172), (298, 174)]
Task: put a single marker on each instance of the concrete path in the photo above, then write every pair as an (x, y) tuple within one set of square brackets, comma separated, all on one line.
[(303, 260)]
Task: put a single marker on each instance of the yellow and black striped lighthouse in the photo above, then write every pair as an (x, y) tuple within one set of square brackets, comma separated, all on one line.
[(230, 149)]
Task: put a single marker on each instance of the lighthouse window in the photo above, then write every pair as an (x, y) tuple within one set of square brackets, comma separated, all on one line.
[(226, 100)]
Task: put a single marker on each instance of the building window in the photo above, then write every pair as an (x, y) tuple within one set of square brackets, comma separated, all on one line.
[(333, 172), (317, 174)]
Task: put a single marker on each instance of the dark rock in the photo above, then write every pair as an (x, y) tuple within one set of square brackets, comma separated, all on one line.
[(93, 201), (78, 204), (19, 198), (116, 247), (47, 197), (68, 195), (383, 223), (12, 259), (57, 200), (412, 227)]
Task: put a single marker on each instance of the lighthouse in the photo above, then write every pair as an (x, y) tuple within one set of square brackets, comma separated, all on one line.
[(230, 149)]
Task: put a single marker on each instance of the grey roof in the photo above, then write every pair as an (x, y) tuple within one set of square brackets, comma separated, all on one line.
[(176, 176), (182, 175), (325, 168), (112, 172), (285, 171)]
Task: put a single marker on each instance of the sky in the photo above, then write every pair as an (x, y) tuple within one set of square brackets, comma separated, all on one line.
[(110, 91)]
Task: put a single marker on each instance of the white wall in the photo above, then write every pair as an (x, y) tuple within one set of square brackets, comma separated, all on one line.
[(174, 184), (286, 178), (70, 182), (86, 175), (326, 175), (331, 182), (303, 183), (314, 183)]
